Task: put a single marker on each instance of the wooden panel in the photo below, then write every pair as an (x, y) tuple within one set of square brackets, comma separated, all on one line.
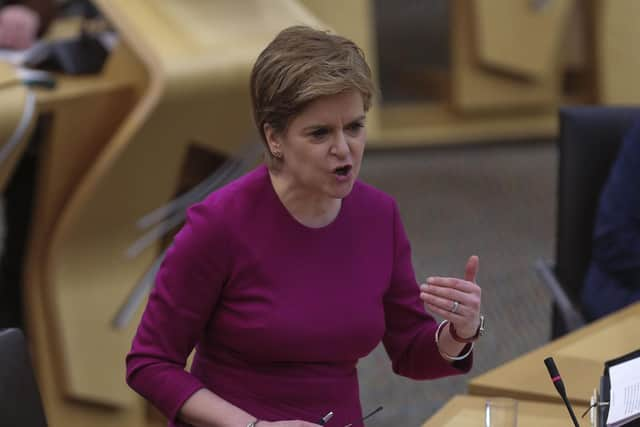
[(580, 357), (520, 36), (68, 157), (468, 411), (617, 32), (85, 113), (428, 124), (61, 411), (478, 89)]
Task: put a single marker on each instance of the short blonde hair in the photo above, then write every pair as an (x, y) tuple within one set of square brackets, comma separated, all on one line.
[(301, 65)]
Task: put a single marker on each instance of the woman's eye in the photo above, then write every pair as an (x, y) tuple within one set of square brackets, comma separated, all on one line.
[(355, 127), (319, 133)]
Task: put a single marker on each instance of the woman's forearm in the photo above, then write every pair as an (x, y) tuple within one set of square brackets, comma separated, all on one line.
[(206, 409)]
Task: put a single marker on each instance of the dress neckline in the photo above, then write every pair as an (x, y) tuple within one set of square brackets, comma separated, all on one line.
[(285, 212)]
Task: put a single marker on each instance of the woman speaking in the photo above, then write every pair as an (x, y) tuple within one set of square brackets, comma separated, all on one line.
[(283, 279)]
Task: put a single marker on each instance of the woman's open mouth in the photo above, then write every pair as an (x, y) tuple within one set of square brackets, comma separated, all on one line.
[(343, 174), (343, 170)]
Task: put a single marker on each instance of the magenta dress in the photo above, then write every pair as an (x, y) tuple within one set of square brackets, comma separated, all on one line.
[(280, 313)]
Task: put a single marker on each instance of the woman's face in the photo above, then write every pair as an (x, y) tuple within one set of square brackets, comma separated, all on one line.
[(322, 147)]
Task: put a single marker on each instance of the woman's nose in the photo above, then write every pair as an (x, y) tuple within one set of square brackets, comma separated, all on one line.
[(341, 145)]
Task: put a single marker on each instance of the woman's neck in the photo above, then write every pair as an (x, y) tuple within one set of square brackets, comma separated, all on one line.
[(310, 209)]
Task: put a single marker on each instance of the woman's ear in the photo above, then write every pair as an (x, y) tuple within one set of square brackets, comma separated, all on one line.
[(273, 140)]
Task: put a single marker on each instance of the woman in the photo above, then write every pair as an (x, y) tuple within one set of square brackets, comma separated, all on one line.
[(286, 277)]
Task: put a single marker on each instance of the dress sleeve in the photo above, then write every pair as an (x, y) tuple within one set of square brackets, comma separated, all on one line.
[(410, 331), (187, 288)]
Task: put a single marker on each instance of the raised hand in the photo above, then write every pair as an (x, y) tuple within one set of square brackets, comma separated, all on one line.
[(456, 300)]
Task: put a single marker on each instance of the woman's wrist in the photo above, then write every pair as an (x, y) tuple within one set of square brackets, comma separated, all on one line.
[(205, 408), (450, 349), (466, 336)]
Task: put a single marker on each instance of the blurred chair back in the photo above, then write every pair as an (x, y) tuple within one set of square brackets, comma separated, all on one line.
[(588, 143), (20, 403)]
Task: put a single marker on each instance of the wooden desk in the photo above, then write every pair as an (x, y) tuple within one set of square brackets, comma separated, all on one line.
[(463, 411), (579, 356), (83, 113)]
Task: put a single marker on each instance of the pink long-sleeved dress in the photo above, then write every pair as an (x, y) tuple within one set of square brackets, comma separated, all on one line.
[(280, 313)]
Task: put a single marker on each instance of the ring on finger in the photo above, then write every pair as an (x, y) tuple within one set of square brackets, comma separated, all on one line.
[(454, 307)]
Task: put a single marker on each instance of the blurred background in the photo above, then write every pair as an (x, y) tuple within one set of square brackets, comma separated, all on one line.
[(125, 111)]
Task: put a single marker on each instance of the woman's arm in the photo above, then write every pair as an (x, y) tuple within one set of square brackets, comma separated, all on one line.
[(458, 302), (187, 288), (448, 346), (410, 331), (186, 291), (206, 409)]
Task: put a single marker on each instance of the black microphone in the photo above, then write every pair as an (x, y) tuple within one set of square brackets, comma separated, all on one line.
[(557, 382)]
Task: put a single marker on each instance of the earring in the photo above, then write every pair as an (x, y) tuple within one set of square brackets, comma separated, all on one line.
[(276, 154)]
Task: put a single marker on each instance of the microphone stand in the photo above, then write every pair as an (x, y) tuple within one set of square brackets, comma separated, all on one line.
[(559, 385)]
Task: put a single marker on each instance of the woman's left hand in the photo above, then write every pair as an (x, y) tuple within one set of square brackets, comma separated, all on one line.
[(456, 300)]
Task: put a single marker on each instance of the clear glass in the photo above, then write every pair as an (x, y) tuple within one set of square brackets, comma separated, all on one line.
[(501, 412)]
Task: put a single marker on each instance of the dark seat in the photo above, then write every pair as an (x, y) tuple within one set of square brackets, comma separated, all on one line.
[(588, 143), (20, 403)]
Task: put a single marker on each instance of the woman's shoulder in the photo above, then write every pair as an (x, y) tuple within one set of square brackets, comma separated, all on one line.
[(238, 191), (234, 198)]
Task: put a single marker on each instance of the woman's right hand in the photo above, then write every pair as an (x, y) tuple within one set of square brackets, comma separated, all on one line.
[(292, 423)]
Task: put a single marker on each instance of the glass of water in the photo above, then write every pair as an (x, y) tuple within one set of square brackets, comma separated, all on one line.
[(501, 412)]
